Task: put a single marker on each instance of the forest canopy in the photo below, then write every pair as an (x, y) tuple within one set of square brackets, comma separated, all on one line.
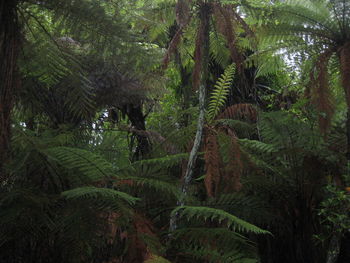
[(175, 131)]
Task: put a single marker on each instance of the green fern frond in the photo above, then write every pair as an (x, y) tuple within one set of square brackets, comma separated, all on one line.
[(266, 63), (220, 92), (296, 20), (157, 259), (218, 215), (54, 76), (212, 254), (223, 238), (220, 52), (165, 162), (170, 189), (258, 146), (286, 130), (105, 195), (89, 164)]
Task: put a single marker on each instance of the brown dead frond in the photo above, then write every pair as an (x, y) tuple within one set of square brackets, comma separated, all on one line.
[(224, 24), (201, 53), (198, 57), (222, 176), (234, 167), (213, 163), (223, 173), (183, 18), (174, 43), (242, 111)]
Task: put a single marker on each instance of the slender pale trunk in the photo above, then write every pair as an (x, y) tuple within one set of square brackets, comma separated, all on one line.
[(205, 12), (9, 81), (334, 248)]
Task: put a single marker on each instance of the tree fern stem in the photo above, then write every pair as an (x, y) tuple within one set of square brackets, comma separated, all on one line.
[(344, 57), (9, 81), (205, 12)]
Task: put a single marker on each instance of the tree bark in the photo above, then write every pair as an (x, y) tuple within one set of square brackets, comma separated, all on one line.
[(205, 12), (9, 81)]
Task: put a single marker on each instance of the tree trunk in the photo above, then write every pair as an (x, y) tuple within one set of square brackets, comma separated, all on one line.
[(137, 119), (344, 253), (205, 12), (9, 81), (344, 57), (334, 248)]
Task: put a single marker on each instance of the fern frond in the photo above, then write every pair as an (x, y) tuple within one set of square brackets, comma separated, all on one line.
[(218, 49), (266, 64), (154, 184), (89, 164), (165, 162), (105, 195), (156, 259), (220, 92), (56, 83), (222, 237), (218, 215), (213, 164), (241, 111), (258, 146), (213, 254), (231, 155)]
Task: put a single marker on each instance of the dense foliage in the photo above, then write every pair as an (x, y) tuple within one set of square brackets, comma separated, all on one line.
[(174, 131)]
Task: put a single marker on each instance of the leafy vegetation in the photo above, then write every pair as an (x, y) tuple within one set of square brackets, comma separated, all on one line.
[(174, 131)]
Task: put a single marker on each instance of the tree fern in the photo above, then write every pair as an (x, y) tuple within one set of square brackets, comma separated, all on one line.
[(220, 92), (323, 26), (55, 75)]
